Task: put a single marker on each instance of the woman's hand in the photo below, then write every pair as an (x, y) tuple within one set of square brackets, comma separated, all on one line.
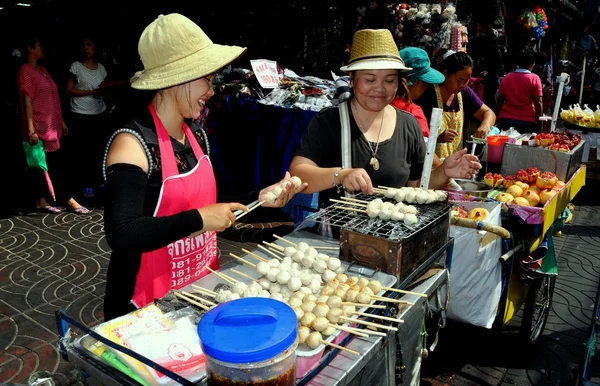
[(447, 136), (65, 129), (355, 180), (33, 138), (219, 217), (461, 165), (286, 194), (482, 131)]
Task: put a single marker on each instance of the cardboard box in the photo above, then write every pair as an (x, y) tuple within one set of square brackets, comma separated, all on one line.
[(563, 164)]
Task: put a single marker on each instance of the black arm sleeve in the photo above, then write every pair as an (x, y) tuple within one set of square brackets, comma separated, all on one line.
[(126, 226)]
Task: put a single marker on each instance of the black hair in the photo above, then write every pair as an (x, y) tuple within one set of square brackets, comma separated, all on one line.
[(456, 63), (26, 42), (526, 58)]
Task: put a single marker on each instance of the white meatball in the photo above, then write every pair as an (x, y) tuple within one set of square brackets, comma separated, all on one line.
[(397, 216), (375, 286), (305, 278), (306, 291), (389, 205), (239, 288), (308, 306), (310, 298), (312, 252), (289, 251), (250, 293), (385, 214), (349, 310), (363, 298), (296, 267), (320, 323), (285, 292), (373, 206), (334, 263), (363, 282), (378, 201), (265, 294), (298, 256), (233, 297), (341, 269), (367, 291), (275, 288), (284, 185), (334, 302), (328, 276), (410, 219), (322, 257), (303, 333), (320, 310), (334, 315), (274, 263), (329, 331), (409, 209), (285, 267), (308, 318), (422, 197), (298, 295), (221, 297), (277, 191), (294, 284), (390, 193), (272, 274), (334, 283), (302, 246), (400, 205), (322, 299), (327, 290), (296, 181), (308, 261), (314, 340), (410, 197), (351, 295), (299, 312), (341, 277), (373, 213), (262, 268), (314, 286), (431, 196), (264, 283), (320, 266), (283, 278), (352, 280), (441, 195), (317, 277), (294, 302), (270, 197), (287, 260), (400, 195)]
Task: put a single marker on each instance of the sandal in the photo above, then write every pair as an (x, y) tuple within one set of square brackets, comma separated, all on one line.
[(49, 209), (81, 210)]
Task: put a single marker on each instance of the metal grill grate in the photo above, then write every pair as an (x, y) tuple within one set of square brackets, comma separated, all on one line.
[(388, 229)]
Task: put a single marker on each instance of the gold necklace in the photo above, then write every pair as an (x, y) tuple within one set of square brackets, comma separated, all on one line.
[(374, 162)]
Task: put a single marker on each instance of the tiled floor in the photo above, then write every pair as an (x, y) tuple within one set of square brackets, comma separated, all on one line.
[(49, 262)]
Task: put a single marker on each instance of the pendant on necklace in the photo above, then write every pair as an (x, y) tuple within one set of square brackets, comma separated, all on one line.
[(374, 162)]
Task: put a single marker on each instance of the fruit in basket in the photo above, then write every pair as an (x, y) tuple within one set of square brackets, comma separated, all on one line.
[(546, 180), (493, 180), (505, 197), (478, 214), (535, 189), (528, 176), (546, 196), (509, 181), (515, 191), (544, 139), (560, 147), (520, 201), (522, 185), (559, 185), (532, 197)]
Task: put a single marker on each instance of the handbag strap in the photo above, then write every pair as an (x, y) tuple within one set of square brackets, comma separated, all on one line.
[(346, 148)]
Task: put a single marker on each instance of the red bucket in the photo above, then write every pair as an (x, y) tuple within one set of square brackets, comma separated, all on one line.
[(496, 148)]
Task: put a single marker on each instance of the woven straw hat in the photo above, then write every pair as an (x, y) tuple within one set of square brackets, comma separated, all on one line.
[(374, 49), (174, 50)]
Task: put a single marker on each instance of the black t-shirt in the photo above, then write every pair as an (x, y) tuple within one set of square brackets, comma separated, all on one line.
[(401, 157)]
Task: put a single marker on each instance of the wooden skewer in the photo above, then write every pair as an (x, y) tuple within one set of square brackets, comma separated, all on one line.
[(243, 274), (327, 248), (204, 291), (348, 202), (255, 255), (242, 260), (363, 305), (198, 298), (191, 301), (249, 210), (274, 246), (279, 253), (379, 189), (388, 300), (377, 325), (270, 252), (349, 330), (354, 199), (339, 347), (374, 316), (223, 276), (386, 187), (350, 209), (405, 292), (284, 240), (369, 332)]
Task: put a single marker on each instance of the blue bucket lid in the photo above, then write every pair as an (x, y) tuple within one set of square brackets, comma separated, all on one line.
[(248, 330)]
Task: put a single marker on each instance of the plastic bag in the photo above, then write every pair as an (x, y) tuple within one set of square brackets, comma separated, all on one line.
[(35, 156)]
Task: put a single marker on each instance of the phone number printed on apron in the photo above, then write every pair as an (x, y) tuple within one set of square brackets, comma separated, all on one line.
[(189, 256)]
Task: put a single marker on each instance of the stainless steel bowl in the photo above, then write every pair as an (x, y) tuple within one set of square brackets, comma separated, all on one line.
[(473, 188)]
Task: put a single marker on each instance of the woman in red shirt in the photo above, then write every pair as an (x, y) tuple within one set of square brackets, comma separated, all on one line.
[(42, 121)]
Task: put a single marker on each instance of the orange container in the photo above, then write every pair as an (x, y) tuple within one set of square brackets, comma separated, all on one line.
[(496, 148)]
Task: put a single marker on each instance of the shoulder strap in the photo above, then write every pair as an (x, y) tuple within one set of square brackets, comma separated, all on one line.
[(139, 138), (346, 148)]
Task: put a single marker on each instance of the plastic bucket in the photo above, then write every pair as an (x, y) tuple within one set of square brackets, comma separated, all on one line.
[(496, 148)]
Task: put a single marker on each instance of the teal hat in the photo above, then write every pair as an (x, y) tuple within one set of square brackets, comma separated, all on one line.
[(418, 60)]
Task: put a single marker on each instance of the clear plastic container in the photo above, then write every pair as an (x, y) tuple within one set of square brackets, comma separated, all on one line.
[(278, 371)]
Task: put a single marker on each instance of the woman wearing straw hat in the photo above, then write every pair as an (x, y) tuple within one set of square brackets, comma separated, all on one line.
[(386, 144), (161, 215)]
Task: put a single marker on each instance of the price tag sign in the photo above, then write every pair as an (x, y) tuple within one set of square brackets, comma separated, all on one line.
[(266, 72)]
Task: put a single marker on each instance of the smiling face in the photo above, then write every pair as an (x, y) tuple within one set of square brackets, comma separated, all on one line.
[(457, 82), (375, 89), (192, 97)]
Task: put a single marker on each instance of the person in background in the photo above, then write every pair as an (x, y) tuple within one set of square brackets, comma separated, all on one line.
[(458, 102), (418, 80), (161, 214), (87, 120), (520, 101), (43, 121)]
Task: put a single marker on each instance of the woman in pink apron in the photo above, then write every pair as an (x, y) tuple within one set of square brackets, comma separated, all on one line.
[(161, 214)]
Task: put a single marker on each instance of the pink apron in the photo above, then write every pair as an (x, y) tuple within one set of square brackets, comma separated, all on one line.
[(183, 261)]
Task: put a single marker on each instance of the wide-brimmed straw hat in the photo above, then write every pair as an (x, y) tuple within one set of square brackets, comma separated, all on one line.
[(174, 50), (374, 49)]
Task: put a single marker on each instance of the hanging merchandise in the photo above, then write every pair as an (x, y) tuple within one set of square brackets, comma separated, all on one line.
[(535, 21)]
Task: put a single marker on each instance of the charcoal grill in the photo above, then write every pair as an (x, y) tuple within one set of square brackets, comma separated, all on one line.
[(388, 246)]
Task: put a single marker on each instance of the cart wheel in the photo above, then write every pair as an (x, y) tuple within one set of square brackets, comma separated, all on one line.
[(537, 308)]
